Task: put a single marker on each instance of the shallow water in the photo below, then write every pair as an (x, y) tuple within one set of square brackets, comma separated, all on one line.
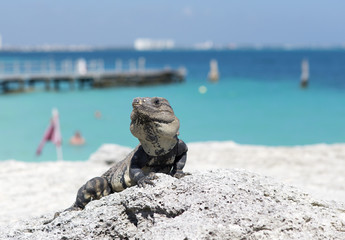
[(256, 101)]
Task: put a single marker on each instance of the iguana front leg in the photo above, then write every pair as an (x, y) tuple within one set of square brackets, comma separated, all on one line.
[(178, 166), (180, 161), (137, 175)]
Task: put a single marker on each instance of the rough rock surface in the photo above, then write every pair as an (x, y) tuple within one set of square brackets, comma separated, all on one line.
[(217, 204), (316, 169), (110, 154)]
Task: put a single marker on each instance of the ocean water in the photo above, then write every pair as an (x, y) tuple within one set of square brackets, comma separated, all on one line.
[(256, 101)]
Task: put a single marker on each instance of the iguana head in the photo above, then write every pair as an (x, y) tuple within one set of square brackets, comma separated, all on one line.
[(154, 123)]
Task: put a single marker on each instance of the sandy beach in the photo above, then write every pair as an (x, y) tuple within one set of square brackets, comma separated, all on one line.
[(32, 189)]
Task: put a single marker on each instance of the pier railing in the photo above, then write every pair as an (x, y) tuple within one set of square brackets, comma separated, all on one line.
[(22, 75), (66, 66)]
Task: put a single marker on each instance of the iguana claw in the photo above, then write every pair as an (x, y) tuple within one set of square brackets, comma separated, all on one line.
[(147, 180)]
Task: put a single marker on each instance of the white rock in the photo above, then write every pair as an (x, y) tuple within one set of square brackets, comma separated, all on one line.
[(110, 154), (195, 207)]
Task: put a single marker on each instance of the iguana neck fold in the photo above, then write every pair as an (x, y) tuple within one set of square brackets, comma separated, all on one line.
[(159, 138)]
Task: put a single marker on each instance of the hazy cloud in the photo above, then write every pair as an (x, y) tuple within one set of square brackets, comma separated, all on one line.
[(187, 11)]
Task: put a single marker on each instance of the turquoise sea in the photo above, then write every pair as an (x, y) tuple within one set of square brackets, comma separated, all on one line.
[(256, 101)]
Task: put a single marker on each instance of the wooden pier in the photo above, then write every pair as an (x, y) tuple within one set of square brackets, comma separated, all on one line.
[(26, 82)]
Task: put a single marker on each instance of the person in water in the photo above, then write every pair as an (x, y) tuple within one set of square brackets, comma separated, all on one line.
[(98, 114), (77, 139)]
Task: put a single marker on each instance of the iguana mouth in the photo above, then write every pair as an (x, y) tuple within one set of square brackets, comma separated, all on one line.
[(136, 102)]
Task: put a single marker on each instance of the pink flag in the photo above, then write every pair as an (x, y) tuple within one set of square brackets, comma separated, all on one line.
[(52, 133)]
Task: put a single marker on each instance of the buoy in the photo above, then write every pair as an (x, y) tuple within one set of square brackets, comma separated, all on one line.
[(213, 75), (202, 89), (305, 73)]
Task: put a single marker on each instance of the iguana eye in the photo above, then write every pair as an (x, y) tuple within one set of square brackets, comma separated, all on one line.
[(156, 101)]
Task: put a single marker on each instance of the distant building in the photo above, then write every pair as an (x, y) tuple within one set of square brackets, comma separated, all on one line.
[(204, 45), (153, 44)]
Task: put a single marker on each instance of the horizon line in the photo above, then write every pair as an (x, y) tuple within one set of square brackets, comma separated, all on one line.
[(230, 46)]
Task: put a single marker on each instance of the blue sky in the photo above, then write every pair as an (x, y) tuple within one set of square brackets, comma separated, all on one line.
[(120, 22)]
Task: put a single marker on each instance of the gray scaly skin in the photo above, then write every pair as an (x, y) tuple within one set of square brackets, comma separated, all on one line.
[(155, 125)]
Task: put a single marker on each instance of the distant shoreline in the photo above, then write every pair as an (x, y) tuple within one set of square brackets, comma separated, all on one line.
[(84, 48)]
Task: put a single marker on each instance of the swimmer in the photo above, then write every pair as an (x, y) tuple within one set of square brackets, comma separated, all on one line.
[(77, 139), (98, 114)]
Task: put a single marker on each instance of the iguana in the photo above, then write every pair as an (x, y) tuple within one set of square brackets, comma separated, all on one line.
[(155, 125)]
